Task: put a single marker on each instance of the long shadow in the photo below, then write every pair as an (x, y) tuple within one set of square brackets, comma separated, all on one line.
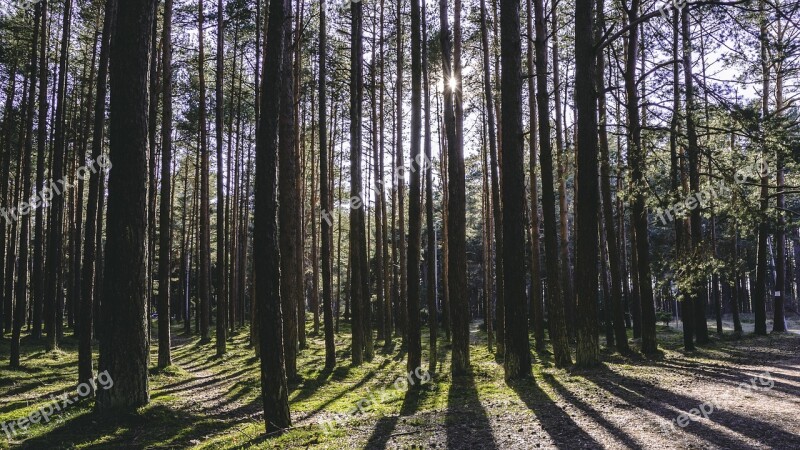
[(731, 376), (370, 375), (563, 431), (382, 432), (158, 426), (655, 398), (590, 412), (467, 423)]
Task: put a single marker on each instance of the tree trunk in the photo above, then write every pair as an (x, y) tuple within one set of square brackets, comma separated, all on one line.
[(555, 303), (325, 207), (699, 292), (537, 305), (222, 292), (288, 207), (588, 199), (497, 207), (414, 337), (517, 363), (205, 221), (638, 209), (617, 310), (456, 211), (165, 225), (274, 391), (123, 346), (430, 252), (20, 304), (41, 140)]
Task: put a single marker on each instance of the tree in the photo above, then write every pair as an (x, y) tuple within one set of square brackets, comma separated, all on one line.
[(123, 347), (205, 221), (517, 361), (359, 279), (537, 305), (288, 210), (637, 162), (456, 214), (274, 390), (618, 311), (20, 304), (53, 296), (588, 348), (327, 234), (222, 292), (494, 168), (41, 141), (413, 332), (555, 303), (90, 273), (430, 252), (165, 225)]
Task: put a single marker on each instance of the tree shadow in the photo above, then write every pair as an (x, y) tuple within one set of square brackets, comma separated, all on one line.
[(467, 423), (156, 426), (564, 432), (590, 412), (654, 399), (382, 432)]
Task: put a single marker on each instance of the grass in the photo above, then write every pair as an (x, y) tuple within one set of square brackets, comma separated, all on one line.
[(206, 402)]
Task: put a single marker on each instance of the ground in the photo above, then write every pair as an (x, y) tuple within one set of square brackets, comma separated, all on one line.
[(732, 394)]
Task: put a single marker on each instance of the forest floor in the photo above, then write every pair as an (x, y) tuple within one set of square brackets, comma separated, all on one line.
[(741, 393)]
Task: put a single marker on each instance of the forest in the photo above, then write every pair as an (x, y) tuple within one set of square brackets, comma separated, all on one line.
[(399, 224)]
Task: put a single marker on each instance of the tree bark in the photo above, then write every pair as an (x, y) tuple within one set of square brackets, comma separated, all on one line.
[(555, 303), (274, 390), (123, 346), (588, 198), (165, 226)]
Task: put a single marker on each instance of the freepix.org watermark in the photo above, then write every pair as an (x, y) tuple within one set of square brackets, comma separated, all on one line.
[(400, 385), (702, 198), (763, 382), (421, 163), (51, 189), (57, 404)]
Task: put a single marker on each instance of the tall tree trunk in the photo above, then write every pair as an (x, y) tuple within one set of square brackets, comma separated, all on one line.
[(430, 251), (288, 211), (41, 141), (54, 243), (638, 209), (537, 305), (588, 199), (20, 303), (699, 292), (561, 167), (165, 225), (123, 346), (494, 168), (760, 288), (617, 309), (555, 302), (325, 207), (359, 280), (205, 220), (88, 274), (401, 185), (517, 363), (781, 291), (414, 338), (456, 209), (274, 390), (8, 130), (222, 292)]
